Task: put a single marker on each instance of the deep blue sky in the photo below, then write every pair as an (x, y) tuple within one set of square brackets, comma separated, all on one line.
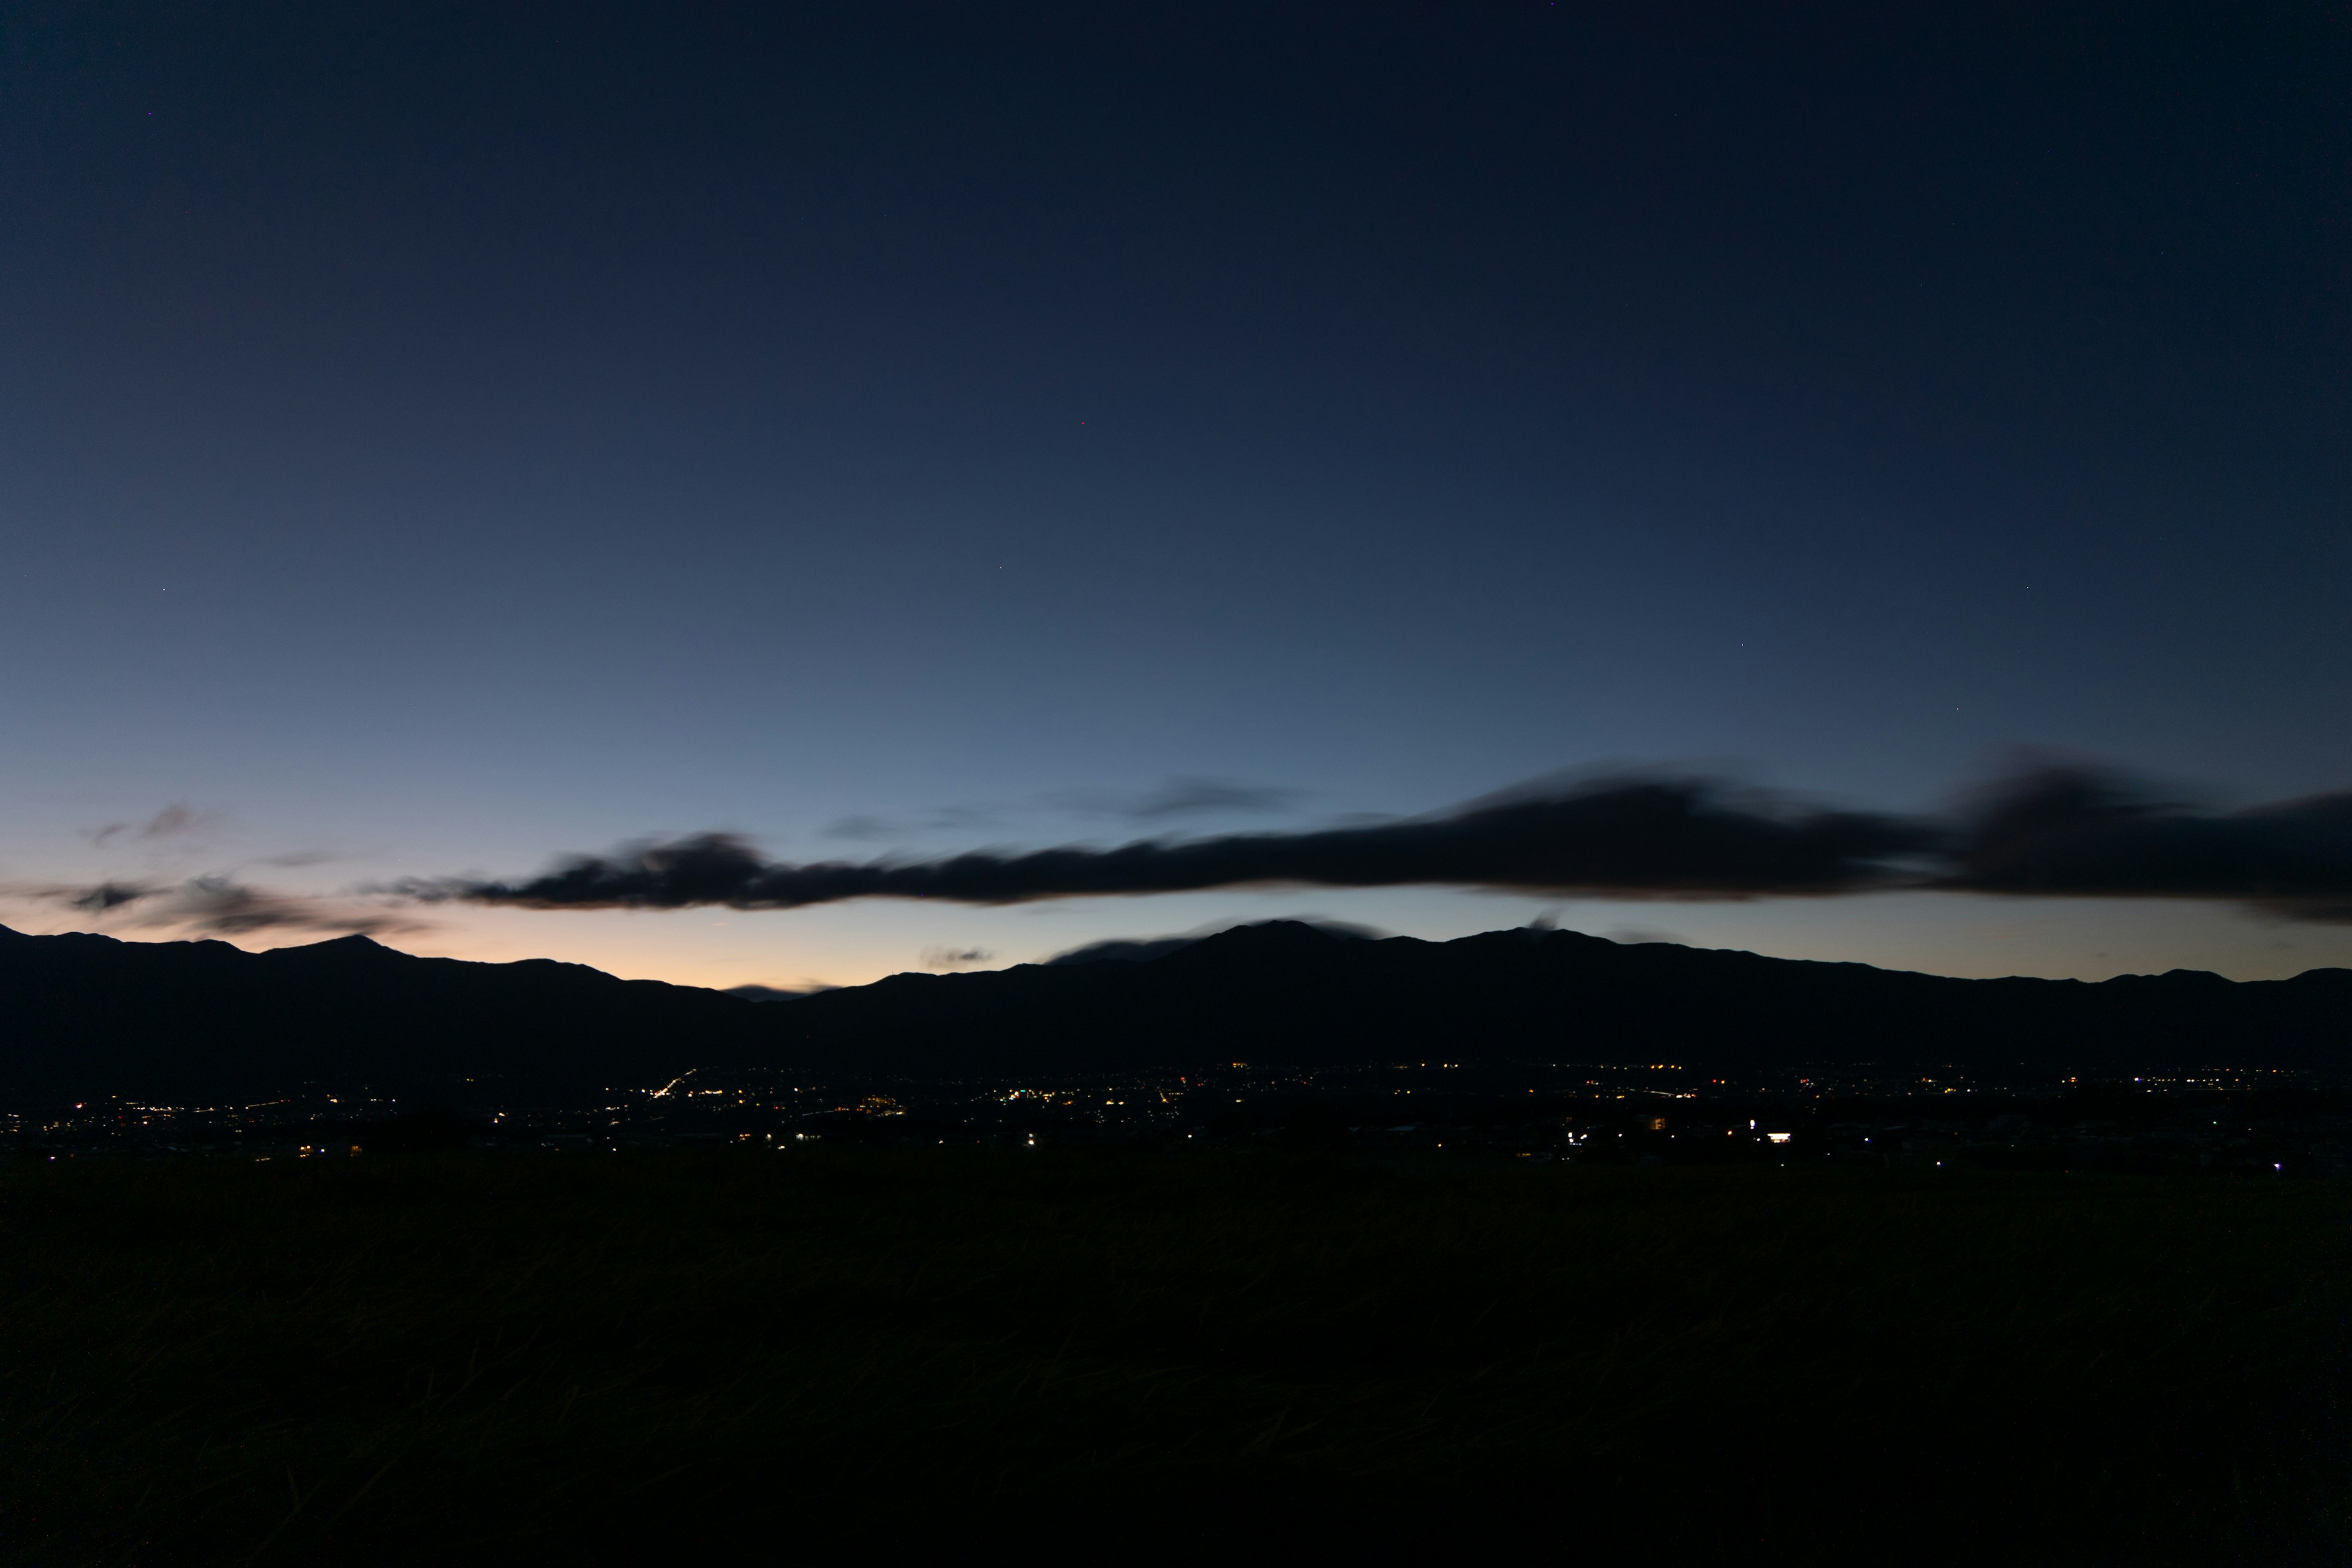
[(437, 438)]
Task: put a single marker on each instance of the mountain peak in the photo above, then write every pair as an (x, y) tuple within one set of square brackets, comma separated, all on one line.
[(1289, 934), (1268, 946), (1253, 936), (356, 945)]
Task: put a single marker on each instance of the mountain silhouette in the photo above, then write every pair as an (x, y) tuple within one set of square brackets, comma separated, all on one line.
[(1285, 992), (84, 1014)]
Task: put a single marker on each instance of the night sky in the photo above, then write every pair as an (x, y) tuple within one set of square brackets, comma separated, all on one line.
[(438, 439)]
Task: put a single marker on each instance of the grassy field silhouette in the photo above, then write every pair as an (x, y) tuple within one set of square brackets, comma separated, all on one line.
[(465, 1357)]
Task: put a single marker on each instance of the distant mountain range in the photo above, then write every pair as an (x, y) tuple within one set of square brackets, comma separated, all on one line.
[(1285, 992), (82, 1015), (85, 1015)]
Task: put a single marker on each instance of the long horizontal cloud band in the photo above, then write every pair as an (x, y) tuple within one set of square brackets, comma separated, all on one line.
[(2058, 833), (2076, 833), (1641, 837)]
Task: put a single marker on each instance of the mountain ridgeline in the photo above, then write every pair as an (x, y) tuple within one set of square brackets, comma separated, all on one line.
[(83, 1015)]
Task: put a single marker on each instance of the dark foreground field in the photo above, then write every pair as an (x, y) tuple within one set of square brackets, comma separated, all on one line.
[(466, 1357)]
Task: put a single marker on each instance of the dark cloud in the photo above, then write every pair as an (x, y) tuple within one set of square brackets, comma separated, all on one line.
[(954, 957), (176, 820), (104, 897), (2048, 831), (1629, 838), (220, 906), (1184, 797), (233, 908), (2094, 833)]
